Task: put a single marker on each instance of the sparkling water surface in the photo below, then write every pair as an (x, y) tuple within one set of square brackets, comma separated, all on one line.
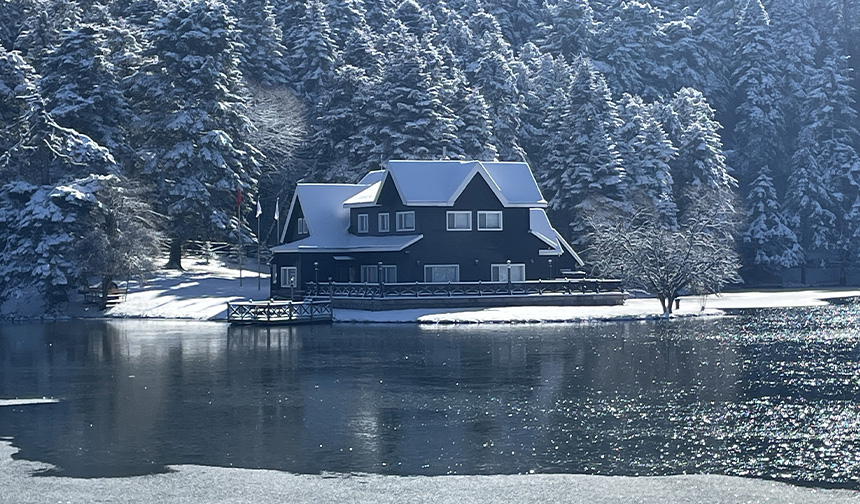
[(766, 393)]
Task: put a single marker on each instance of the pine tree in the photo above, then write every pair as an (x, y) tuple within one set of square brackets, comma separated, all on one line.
[(190, 100), (768, 240), (311, 52), (569, 30), (45, 21), (647, 153), (262, 50), (82, 89)]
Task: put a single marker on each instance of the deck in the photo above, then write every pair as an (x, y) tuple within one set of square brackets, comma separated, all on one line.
[(396, 296), (279, 312)]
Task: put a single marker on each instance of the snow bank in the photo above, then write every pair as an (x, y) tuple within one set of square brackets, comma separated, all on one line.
[(188, 484), (201, 292)]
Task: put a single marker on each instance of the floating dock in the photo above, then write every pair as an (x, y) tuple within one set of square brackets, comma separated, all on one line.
[(279, 312)]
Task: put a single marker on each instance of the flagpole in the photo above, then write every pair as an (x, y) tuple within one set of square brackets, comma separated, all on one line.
[(239, 228), (277, 221), (259, 274)]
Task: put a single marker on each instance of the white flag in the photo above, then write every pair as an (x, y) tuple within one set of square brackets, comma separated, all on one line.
[(277, 212), (259, 209)]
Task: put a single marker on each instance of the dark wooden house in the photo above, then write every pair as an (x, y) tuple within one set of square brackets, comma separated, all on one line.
[(421, 221)]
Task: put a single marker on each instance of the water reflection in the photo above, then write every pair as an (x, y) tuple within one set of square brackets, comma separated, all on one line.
[(765, 395)]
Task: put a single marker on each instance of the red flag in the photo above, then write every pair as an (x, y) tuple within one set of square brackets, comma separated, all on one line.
[(238, 198)]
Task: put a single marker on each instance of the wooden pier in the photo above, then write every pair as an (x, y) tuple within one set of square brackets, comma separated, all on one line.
[(279, 312)]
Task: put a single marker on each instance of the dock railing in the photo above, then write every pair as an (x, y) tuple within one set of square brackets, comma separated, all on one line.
[(271, 311), (452, 289)]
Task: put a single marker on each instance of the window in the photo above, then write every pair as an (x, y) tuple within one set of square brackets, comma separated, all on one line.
[(405, 221), (370, 273), (302, 226), (363, 223), (489, 221), (383, 222), (499, 273), (440, 273), (459, 221), (289, 276)]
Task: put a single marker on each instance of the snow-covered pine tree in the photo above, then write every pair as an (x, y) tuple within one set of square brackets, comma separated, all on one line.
[(493, 77), (44, 21), (701, 163), (582, 173), (809, 204), (194, 129), (759, 128), (404, 117), (11, 20), (416, 19), (646, 154), (262, 52), (518, 19), (311, 52), (769, 242), (569, 29), (82, 89), (623, 48), (344, 18)]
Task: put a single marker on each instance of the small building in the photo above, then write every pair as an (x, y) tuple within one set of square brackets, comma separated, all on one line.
[(421, 221)]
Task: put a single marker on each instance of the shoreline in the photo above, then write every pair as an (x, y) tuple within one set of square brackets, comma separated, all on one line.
[(201, 293)]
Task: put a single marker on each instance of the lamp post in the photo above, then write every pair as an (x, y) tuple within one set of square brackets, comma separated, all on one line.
[(316, 278), (509, 276), (549, 261)]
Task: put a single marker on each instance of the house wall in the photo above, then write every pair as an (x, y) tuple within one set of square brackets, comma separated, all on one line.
[(474, 251)]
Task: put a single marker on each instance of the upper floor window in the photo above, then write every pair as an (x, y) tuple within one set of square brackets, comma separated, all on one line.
[(383, 222), (405, 221), (459, 221), (490, 221), (363, 223), (302, 226)]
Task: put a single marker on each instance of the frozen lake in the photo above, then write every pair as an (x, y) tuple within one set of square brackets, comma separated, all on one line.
[(769, 393)]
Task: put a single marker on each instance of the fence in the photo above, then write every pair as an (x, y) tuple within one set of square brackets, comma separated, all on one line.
[(461, 289)]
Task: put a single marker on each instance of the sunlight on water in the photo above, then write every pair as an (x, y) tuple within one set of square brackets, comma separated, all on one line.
[(768, 393)]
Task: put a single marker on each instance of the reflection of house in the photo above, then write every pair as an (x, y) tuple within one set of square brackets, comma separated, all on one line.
[(422, 221)]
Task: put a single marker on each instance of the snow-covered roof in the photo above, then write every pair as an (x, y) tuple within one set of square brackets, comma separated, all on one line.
[(540, 226), (440, 183), (328, 222), (372, 177), (365, 197)]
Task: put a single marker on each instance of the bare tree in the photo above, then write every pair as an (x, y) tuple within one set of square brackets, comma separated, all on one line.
[(277, 120), (698, 253)]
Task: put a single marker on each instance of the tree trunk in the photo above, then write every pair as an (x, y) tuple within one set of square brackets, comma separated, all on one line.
[(175, 259), (666, 311), (106, 286)]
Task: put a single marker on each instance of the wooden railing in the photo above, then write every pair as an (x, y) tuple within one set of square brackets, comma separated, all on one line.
[(254, 312), (451, 289)]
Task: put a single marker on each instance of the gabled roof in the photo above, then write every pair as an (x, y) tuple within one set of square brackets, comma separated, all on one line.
[(440, 183), (328, 223)]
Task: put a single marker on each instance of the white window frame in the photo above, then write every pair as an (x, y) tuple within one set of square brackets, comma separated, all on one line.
[(484, 214), (362, 224), (499, 272), (383, 218), (288, 272), (451, 220), (302, 226), (400, 217), (428, 268), (370, 273)]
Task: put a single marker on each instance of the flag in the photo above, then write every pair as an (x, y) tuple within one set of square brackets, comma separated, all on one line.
[(259, 210), (277, 212), (238, 197)]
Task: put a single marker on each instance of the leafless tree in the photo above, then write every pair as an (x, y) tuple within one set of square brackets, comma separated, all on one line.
[(697, 254), (278, 125)]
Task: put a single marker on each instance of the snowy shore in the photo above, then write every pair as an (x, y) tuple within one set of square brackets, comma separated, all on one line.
[(188, 484), (203, 290)]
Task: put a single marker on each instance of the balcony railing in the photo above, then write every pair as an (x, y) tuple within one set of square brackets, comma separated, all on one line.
[(451, 289)]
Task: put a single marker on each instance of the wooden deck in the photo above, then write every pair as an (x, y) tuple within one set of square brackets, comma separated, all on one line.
[(279, 312)]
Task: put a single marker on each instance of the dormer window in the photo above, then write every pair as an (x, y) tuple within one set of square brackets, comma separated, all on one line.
[(459, 221), (302, 226), (363, 223)]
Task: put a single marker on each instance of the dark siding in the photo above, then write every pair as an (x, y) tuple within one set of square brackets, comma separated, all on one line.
[(292, 226)]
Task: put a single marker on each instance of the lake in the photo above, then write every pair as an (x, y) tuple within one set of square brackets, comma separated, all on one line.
[(767, 393)]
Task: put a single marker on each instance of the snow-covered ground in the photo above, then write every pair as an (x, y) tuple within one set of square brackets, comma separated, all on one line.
[(196, 484), (203, 290)]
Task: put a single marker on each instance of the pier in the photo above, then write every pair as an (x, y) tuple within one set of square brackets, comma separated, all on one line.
[(279, 312)]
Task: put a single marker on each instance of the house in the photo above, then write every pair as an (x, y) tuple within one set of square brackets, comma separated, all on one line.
[(421, 221)]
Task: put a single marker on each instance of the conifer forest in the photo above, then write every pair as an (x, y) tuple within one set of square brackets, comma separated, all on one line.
[(126, 126)]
